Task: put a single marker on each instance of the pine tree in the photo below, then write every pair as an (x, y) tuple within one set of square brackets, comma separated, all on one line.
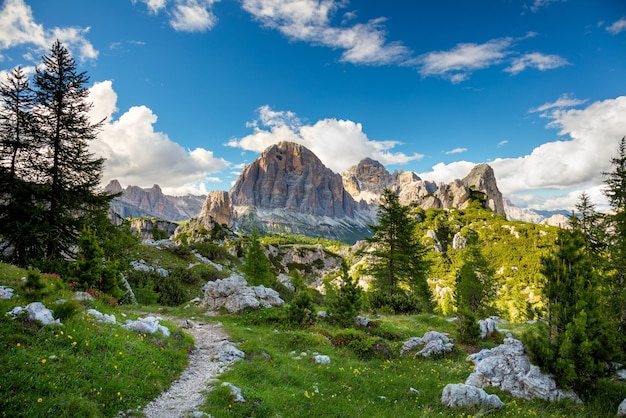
[(475, 290), (256, 267), (20, 213), (579, 342), (616, 194), (70, 172), (344, 301), (400, 264)]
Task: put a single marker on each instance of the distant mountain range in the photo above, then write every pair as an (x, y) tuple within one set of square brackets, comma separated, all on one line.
[(288, 189)]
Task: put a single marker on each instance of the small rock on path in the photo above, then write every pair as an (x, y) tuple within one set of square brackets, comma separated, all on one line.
[(188, 393)]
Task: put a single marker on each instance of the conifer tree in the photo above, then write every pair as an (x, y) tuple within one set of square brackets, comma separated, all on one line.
[(20, 221), (616, 194), (256, 267), (70, 172), (344, 301), (399, 263), (579, 343)]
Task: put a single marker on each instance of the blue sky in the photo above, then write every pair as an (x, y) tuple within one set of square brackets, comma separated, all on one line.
[(195, 89)]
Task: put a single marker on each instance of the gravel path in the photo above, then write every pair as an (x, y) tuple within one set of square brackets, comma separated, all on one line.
[(206, 361)]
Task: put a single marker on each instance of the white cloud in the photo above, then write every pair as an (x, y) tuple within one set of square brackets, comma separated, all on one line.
[(565, 100), (617, 26), (137, 155), (502, 143), (340, 144), (155, 6), (458, 63), (572, 164), (193, 16), (456, 151), (445, 173), (19, 28), (310, 21), (543, 3), (185, 15), (541, 62)]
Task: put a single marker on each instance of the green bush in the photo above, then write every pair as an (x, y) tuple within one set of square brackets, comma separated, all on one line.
[(362, 345), (66, 309), (393, 303), (34, 286), (467, 327)]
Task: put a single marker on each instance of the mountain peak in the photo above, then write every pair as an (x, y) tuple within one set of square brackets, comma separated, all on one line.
[(289, 176)]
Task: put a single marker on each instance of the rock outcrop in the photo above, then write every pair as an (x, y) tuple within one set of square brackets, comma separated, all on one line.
[(233, 294), (459, 395), (289, 176), (432, 343), (508, 368)]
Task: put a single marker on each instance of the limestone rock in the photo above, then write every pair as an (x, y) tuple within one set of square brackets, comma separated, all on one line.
[(6, 292), (219, 206), (147, 325), (100, 317), (234, 295), (139, 202), (235, 392), (488, 326), (321, 359), (36, 312), (483, 179), (621, 410), (145, 227), (434, 343), (289, 176), (459, 395), (508, 368)]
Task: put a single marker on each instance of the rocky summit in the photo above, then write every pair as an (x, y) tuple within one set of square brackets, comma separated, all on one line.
[(288, 189)]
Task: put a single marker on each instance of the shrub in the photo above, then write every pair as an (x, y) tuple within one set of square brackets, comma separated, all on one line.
[(393, 303), (467, 327), (34, 286), (362, 345), (66, 310)]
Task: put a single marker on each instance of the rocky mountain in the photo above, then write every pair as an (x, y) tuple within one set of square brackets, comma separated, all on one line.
[(138, 202), (288, 189), (547, 217)]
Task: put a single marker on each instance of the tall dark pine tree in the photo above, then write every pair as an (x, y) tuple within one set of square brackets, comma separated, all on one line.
[(71, 173), (616, 194), (19, 214), (399, 257)]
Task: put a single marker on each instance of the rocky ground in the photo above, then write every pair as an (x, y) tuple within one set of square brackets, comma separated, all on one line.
[(212, 355)]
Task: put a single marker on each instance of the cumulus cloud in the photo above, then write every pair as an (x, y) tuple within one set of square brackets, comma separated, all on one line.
[(340, 144), (572, 164), (19, 28), (617, 26), (138, 155), (310, 21), (185, 15), (537, 60)]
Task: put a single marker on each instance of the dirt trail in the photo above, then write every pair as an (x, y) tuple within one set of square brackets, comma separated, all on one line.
[(187, 394)]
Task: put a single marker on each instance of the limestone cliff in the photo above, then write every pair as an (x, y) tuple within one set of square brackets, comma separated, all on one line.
[(138, 202), (289, 176)]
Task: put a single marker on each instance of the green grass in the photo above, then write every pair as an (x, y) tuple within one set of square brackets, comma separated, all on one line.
[(82, 368), (279, 377)]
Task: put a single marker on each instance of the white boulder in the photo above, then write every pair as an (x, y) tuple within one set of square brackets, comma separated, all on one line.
[(147, 325), (234, 295), (6, 292), (460, 395), (100, 317), (36, 312), (434, 343), (508, 368)]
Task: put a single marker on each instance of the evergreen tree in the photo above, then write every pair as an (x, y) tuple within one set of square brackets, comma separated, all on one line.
[(475, 290), (256, 267), (70, 173), (616, 194), (89, 260), (20, 220), (579, 343), (400, 264), (344, 301)]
